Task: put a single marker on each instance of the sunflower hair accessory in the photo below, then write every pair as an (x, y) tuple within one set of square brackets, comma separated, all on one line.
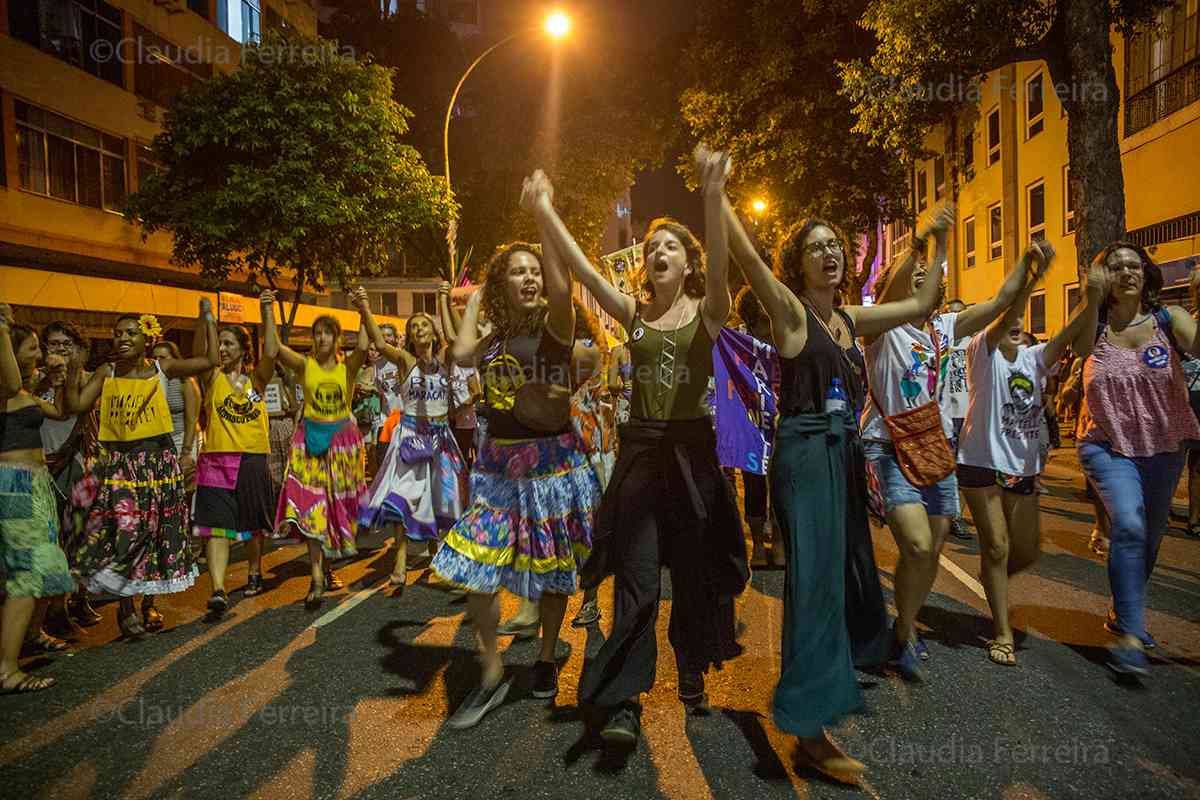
[(149, 326)]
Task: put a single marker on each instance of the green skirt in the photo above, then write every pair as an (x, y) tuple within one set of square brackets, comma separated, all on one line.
[(31, 562), (809, 468)]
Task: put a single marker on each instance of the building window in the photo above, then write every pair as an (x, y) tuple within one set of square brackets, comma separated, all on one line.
[(1072, 298), (969, 242), (251, 22), (968, 150), (61, 158), (146, 164), (922, 191), (995, 233), (424, 303), (1035, 318), (1162, 73), (939, 178), (86, 33), (993, 137), (1036, 197), (1068, 202), (1034, 105), (165, 69)]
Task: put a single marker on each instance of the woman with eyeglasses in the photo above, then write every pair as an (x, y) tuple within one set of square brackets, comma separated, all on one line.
[(1133, 424)]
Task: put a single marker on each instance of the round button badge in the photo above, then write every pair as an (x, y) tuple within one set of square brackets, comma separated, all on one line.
[(638, 334), (1156, 356)]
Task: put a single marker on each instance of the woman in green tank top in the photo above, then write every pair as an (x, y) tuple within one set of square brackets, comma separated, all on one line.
[(668, 502)]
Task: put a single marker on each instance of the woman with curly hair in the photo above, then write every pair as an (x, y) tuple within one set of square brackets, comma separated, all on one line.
[(129, 531), (421, 483), (1133, 425), (326, 476), (235, 496), (668, 503), (533, 493)]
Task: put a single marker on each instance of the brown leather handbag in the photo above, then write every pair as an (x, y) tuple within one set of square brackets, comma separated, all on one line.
[(922, 449)]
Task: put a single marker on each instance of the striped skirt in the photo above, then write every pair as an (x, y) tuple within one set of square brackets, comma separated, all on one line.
[(529, 525), (425, 496), (321, 494)]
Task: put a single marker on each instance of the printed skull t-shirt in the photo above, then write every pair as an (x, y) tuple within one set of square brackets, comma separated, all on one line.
[(1005, 413)]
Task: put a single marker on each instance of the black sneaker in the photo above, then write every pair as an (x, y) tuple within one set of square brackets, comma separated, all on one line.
[(479, 702), (219, 602), (622, 728), (545, 680), (691, 691)]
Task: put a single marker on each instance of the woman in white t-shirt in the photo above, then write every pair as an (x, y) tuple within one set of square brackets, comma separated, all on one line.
[(1000, 453), (905, 368)]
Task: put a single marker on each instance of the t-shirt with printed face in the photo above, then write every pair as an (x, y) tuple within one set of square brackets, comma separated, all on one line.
[(1005, 417), (955, 385)]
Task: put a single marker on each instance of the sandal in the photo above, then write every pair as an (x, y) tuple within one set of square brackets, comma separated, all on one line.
[(152, 620), (332, 582), (131, 628), (45, 643), (1001, 653), (30, 683), (316, 593)]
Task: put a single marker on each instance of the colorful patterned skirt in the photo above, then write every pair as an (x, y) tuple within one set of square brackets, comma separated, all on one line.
[(129, 522), (235, 497), (321, 493), (31, 562), (424, 495), (529, 525), (280, 434)]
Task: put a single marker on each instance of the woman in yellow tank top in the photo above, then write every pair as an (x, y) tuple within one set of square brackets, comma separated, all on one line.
[(235, 496), (326, 476), (127, 528)]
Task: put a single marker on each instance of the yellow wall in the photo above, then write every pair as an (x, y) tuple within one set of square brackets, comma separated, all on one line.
[(1160, 164)]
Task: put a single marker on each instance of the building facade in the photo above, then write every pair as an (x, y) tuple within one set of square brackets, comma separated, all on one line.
[(1004, 164)]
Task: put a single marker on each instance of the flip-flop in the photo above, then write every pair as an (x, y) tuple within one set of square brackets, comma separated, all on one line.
[(30, 683)]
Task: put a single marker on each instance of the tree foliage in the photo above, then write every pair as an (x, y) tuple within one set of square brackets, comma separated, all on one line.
[(932, 54), (767, 88), (292, 165)]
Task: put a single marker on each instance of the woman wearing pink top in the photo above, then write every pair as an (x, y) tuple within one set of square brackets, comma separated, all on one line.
[(1133, 424)]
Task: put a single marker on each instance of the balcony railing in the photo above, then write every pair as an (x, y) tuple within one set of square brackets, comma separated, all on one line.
[(1165, 96)]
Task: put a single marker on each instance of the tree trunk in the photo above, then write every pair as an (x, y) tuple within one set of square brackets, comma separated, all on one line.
[(1080, 64)]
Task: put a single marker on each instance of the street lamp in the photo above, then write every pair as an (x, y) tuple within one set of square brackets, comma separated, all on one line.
[(557, 25), (759, 206)]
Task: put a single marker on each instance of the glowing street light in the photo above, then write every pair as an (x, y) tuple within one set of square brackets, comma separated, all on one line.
[(759, 206), (558, 25)]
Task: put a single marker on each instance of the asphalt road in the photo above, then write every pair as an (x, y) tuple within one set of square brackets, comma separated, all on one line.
[(351, 701)]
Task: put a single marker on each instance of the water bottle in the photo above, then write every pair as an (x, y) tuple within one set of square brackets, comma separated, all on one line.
[(836, 401)]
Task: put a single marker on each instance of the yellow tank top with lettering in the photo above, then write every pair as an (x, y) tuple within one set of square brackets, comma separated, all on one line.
[(132, 409), (237, 418), (326, 392)]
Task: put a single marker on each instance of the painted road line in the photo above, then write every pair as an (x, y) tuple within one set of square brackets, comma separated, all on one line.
[(355, 600)]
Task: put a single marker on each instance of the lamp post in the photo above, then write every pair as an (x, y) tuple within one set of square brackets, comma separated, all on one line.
[(557, 25)]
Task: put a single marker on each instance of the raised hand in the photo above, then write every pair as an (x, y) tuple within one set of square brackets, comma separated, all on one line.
[(205, 307), (943, 221), (444, 288), (715, 171), (266, 297), (359, 298), (1097, 281)]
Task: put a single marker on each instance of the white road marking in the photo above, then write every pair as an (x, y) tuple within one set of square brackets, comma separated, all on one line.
[(354, 600)]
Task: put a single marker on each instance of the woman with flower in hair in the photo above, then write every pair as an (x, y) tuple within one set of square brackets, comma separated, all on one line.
[(533, 493), (235, 496), (421, 483), (668, 502), (326, 477), (130, 515)]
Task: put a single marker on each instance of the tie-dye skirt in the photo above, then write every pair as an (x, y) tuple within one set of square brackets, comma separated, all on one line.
[(321, 494), (529, 525), (425, 496), (31, 562)]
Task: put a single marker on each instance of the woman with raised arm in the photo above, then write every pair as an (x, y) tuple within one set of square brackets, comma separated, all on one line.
[(129, 527), (999, 455), (33, 565), (419, 489), (834, 617), (668, 502), (905, 366), (235, 495), (1133, 425), (533, 493), (326, 480)]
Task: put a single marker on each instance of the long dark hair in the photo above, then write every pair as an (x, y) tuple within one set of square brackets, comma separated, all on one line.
[(694, 284), (243, 339), (495, 302), (789, 256)]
